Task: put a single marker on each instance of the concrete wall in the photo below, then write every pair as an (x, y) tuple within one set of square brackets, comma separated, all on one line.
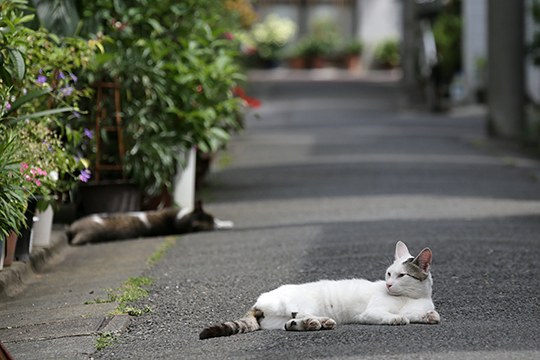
[(532, 77), (506, 90)]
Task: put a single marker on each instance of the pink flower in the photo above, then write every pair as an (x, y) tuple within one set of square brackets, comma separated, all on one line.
[(38, 183), (23, 167)]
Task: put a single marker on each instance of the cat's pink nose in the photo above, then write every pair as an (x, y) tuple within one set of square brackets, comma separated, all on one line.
[(388, 286)]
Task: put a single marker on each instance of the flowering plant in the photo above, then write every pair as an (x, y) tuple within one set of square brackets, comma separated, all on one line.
[(39, 101), (177, 64), (272, 35), (47, 168)]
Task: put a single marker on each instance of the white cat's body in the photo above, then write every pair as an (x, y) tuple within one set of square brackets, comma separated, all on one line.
[(340, 300), (403, 297), (344, 301)]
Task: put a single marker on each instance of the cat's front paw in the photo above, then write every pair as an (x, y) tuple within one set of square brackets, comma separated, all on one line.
[(294, 325), (432, 317), (306, 324), (328, 324), (398, 320)]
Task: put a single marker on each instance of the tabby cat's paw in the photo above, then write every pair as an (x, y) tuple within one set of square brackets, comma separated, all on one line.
[(432, 317), (328, 324), (312, 325), (399, 320)]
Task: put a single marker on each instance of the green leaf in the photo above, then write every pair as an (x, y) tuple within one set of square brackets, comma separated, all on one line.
[(28, 97), (5, 76), (156, 25), (219, 134), (26, 19), (45, 113), (18, 62)]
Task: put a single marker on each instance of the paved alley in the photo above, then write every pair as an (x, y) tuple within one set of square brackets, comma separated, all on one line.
[(322, 186)]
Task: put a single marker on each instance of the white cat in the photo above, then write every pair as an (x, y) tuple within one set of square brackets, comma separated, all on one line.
[(403, 298)]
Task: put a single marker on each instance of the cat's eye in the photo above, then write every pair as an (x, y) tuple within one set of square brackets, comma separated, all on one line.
[(401, 275)]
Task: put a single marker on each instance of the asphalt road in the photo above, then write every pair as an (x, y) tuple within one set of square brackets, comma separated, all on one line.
[(322, 186)]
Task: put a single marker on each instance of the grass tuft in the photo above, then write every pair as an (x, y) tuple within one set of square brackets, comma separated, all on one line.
[(104, 340), (161, 251)]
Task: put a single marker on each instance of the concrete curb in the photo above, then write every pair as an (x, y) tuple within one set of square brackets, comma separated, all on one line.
[(13, 278)]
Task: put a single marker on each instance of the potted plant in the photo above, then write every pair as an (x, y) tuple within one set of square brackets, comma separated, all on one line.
[(351, 52), (177, 65), (314, 51), (271, 36), (40, 95), (295, 57), (386, 54)]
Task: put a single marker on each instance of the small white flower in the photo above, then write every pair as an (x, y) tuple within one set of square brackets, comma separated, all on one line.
[(54, 175)]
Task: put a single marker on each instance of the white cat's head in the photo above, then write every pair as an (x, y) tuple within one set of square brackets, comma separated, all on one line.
[(409, 276)]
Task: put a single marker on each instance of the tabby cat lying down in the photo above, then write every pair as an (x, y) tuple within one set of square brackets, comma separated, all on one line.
[(103, 227), (403, 298)]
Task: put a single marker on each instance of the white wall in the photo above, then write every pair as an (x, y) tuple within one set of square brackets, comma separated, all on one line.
[(474, 41), (378, 20)]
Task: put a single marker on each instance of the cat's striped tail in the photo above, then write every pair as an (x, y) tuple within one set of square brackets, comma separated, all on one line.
[(250, 322)]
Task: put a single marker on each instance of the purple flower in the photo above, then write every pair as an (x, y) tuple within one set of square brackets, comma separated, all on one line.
[(8, 106), (76, 114), (61, 75), (85, 175), (88, 133), (73, 77), (41, 79), (68, 90)]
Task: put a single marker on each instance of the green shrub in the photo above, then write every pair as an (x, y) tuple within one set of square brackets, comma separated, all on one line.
[(386, 53), (177, 66)]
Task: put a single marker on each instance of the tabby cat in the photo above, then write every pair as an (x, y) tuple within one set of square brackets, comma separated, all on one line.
[(169, 221)]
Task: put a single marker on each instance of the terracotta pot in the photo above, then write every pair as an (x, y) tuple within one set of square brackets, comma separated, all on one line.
[(353, 62), (10, 245), (296, 63), (318, 62)]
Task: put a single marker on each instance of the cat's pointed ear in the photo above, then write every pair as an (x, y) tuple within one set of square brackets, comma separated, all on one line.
[(198, 205), (423, 260), (401, 250)]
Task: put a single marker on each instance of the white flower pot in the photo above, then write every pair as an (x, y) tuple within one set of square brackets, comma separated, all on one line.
[(2, 253), (43, 227), (184, 183)]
